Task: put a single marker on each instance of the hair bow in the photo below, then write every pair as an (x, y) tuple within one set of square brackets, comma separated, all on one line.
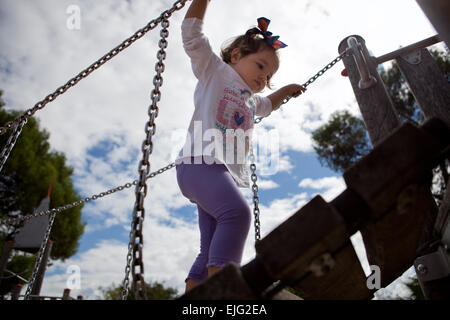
[(263, 23)]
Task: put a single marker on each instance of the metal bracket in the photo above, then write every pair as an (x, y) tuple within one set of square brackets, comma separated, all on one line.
[(433, 266), (322, 265), (413, 57), (367, 80)]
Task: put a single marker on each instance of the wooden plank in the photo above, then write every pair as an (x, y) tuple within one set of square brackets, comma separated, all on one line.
[(396, 162), (375, 104), (442, 225), (226, 284), (288, 250), (428, 85), (397, 234), (388, 180), (345, 281), (314, 240), (285, 295), (438, 12), (408, 49)]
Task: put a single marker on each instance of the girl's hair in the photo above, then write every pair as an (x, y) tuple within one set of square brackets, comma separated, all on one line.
[(250, 42)]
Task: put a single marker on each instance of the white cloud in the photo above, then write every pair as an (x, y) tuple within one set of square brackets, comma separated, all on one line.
[(330, 186), (267, 184), (108, 109)]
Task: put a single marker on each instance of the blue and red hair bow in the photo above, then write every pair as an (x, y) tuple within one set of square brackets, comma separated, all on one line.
[(263, 23)]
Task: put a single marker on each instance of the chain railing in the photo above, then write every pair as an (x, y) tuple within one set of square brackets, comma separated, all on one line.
[(254, 177), (256, 211), (17, 220), (135, 247), (11, 142), (40, 255), (313, 78), (21, 120)]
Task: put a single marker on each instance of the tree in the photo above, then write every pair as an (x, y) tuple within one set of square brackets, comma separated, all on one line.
[(343, 140), (24, 182), (153, 290)]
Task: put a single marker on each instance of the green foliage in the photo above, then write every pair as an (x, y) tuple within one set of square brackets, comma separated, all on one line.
[(342, 141), (414, 286), (21, 265), (154, 291), (30, 169), (24, 182), (401, 97)]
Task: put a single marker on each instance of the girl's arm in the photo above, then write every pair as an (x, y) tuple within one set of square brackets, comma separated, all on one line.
[(197, 9), (291, 90)]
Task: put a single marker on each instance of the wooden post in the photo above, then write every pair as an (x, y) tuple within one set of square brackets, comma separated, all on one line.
[(427, 83), (438, 12), (379, 117), (389, 180), (7, 247), (374, 102), (431, 91), (41, 272), (66, 294), (15, 291)]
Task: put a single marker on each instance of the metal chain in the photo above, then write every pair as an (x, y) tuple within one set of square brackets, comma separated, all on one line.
[(134, 257), (40, 255), (11, 142), (15, 221), (313, 78), (94, 66), (254, 178)]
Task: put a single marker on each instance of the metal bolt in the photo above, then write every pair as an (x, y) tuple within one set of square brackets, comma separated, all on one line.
[(322, 265), (421, 269), (406, 199)]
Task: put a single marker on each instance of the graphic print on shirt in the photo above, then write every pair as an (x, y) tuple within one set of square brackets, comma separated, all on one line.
[(235, 116), (236, 110)]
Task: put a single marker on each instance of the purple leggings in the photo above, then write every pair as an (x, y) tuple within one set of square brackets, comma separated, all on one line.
[(224, 215)]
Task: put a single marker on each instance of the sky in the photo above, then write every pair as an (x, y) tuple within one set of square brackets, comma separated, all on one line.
[(99, 123)]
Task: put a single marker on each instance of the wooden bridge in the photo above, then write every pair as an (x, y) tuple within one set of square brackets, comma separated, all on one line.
[(387, 199)]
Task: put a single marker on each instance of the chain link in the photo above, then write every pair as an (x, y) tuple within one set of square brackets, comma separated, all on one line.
[(134, 257), (135, 247), (94, 66), (15, 221), (254, 178), (11, 142), (39, 257), (313, 78)]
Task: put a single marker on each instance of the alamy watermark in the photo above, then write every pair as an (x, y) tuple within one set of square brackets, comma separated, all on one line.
[(374, 279), (73, 22), (231, 146), (74, 279)]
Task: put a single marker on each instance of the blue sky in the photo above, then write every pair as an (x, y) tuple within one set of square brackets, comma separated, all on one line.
[(99, 124)]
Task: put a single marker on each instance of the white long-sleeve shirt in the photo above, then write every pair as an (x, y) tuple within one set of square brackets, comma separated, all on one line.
[(225, 107)]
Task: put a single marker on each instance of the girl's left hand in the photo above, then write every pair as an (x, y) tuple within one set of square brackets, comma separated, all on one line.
[(294, 90)]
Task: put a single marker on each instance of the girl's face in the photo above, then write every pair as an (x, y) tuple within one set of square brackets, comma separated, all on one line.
[(255, 69)]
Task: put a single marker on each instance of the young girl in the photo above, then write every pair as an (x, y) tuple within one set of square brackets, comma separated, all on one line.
[(225, 108)]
